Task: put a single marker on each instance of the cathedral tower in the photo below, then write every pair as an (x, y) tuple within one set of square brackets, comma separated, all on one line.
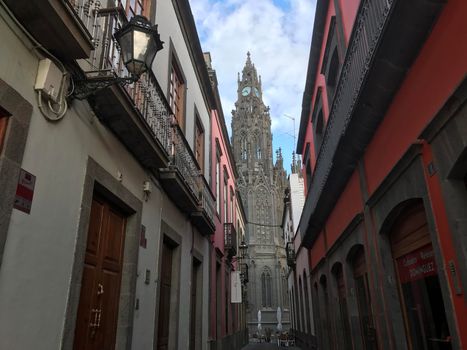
[(261, 184)]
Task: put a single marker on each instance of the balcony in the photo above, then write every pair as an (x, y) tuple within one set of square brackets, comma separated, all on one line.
[(138, 114), (290, 251), (64, 27), (203, 218), (230, 240), (374, 67), (181, 177)]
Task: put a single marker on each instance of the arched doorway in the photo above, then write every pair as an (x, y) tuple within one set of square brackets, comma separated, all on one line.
[(342, 322), (418, 283)]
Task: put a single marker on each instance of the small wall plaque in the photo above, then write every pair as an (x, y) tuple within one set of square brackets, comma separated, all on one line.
[(24, 191)]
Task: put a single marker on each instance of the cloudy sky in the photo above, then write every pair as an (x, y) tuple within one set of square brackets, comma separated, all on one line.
[(278, 35)]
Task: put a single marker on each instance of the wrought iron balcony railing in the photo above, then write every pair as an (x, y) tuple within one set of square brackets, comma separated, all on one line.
[(87, 11), (230, 240), (290, 251), (207, 199), (366, 36), (184, 161), (146, 94), (369, 26)]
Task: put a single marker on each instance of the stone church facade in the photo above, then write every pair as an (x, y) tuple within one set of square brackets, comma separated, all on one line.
[(261, 183)]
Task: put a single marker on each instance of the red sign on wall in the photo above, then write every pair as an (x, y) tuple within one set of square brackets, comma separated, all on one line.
[(417, 265), (24, 191)]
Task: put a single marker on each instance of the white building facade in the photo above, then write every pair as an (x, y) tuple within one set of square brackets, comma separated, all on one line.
[(299, 291), (112, 252)]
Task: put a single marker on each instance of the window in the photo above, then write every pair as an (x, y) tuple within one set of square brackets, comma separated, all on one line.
[(307, 167), (177, 93), (319, 126), (318, 122), (331, 80), (199, 142), (331, 62), (133, 7), (226, 216), (244, 148), (266, 291), (3, 126), (218, 178), (285, 299), (232, 205)]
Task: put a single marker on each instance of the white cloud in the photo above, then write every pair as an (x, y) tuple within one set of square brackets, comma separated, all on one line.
[(278, 35)]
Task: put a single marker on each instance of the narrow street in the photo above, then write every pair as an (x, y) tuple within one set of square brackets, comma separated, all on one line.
[(234, 175), (267, 346)]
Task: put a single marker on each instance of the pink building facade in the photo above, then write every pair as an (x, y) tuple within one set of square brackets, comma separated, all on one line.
[(227, 328)]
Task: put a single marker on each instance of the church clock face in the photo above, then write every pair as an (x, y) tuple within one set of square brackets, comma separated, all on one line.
[(246, 90)]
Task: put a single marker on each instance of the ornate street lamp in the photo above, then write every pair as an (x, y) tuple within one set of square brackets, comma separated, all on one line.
[(243, 249), (139, 42), (290, 251)]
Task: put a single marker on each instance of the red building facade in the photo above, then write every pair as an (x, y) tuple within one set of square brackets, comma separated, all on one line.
[(383, 136)]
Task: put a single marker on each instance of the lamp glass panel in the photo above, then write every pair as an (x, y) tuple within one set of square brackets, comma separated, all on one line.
[(140, 45), (136, 67), (151, 53), (126, 43)]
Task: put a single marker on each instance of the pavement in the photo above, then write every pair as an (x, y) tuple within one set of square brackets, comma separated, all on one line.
[(267, 346)]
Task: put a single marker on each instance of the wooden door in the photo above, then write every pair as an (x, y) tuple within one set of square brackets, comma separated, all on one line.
[(194, 300), (96, 324), (343, 328), (164, 301), (362, 291), (3, 125)]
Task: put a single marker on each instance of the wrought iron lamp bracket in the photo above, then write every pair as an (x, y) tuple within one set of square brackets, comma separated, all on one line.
[(84, 88)]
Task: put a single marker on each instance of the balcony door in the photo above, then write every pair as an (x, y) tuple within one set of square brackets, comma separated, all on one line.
[(96, 323)]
